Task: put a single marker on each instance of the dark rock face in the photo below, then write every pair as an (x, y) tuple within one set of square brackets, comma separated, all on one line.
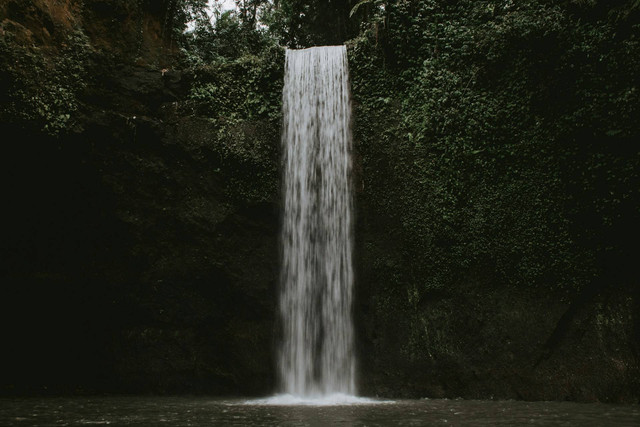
[(481, 341), (128, 263), (124, 254)]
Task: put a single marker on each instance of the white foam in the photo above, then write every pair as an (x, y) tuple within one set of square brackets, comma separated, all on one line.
[(336, 399)]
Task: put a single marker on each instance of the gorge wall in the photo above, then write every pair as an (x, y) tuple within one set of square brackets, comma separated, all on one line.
[(497, 203), (140, 248)]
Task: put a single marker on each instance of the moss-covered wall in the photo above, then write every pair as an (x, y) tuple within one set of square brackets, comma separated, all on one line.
[(498, 199)]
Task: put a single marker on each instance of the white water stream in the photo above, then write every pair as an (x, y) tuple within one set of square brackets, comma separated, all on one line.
[(317, 356)]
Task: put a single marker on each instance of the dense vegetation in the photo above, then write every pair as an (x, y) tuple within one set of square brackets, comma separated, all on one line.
[(498, 147), (497, 179), (511, 135)]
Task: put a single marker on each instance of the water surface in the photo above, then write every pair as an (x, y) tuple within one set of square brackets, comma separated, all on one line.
[(203, 411)]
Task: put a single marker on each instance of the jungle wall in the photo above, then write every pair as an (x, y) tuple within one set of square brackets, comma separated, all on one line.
[(498, 199), (140, 247)]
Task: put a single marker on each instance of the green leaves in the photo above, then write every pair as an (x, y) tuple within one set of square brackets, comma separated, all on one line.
[(248, 87), (42, 91), (241, 99), (474, 122)]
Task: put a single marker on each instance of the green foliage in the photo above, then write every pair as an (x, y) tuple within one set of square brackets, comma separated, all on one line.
[(42, 92), (305, 23), (247, 87), (496, 142), (241, 97), (229, 39), (236, 73), (178, 13)]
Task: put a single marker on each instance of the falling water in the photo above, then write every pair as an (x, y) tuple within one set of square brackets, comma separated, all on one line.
[(316, 357)]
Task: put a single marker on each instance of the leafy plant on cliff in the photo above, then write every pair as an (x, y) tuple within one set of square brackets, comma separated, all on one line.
[(42, 91), (496, 143), (237, 77)]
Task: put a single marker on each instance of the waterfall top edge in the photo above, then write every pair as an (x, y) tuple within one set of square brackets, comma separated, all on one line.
[(316, 47)]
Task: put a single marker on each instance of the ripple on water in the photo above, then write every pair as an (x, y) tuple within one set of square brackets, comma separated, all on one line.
[(292, 411)]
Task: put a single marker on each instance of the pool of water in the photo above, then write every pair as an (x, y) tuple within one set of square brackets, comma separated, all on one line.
[(203, 411)]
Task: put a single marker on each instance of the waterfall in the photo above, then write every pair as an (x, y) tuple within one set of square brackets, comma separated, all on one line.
[(317, 355)]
